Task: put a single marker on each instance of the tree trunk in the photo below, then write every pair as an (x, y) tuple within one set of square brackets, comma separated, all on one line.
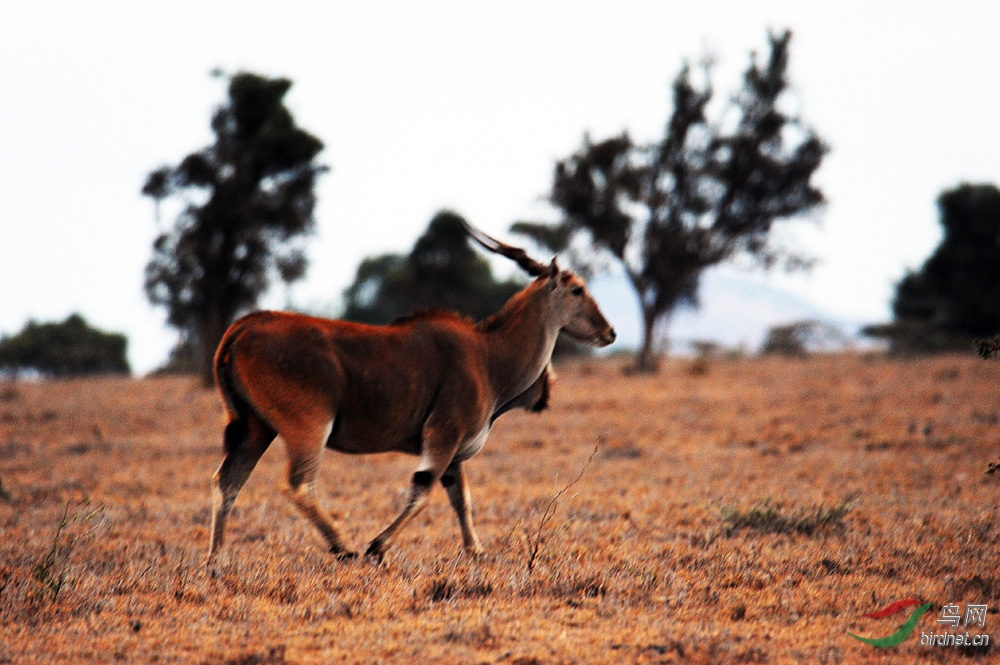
[(647, 361), (207, 355), (213, 327)]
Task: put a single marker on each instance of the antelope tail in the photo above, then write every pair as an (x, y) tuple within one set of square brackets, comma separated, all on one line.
[(236, 407)]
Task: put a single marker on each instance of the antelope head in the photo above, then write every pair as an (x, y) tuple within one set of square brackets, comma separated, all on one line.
[(575, 309), (571, 305)]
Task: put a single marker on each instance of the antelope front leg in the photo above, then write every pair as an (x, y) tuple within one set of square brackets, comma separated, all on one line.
[(422, 481), (454, 482), (440, 445)]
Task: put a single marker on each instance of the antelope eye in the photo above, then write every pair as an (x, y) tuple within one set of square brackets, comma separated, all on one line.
[(577, 291)]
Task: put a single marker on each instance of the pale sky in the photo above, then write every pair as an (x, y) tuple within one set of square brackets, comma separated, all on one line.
[(464, 105)]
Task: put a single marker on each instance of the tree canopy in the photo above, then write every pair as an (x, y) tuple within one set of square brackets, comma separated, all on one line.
[(706, 192), (248, 204), (954, 297), (441, 271), (69, 348)]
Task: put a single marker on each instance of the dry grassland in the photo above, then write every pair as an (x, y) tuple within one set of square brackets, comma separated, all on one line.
[(745, 510)]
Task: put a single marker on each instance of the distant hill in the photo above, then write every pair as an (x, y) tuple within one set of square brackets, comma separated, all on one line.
[(735, 311)]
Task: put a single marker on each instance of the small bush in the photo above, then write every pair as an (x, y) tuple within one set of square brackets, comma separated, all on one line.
[(802, 338), (988, 348), (50, 574), (768, 516)]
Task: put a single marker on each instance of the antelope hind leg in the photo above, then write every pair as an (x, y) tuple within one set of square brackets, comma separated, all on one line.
[(304, 455), (246, 439)]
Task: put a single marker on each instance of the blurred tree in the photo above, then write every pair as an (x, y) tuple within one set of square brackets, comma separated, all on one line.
[(70, 348), (955, 296), (705, 193), (248, 203), (442, 271)]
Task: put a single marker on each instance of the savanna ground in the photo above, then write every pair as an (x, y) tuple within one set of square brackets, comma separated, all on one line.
[(735, 510)]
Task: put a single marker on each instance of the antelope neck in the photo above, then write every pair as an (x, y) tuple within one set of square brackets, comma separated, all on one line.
[(520, 344)]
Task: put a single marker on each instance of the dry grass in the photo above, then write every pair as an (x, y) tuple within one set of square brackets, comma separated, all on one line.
[(747, 512)]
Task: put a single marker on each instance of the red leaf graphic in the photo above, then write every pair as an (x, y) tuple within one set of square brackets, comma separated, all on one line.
[(889, 610)]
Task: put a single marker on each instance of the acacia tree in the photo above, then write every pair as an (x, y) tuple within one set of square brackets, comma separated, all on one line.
[(705, 193), (248, 204)]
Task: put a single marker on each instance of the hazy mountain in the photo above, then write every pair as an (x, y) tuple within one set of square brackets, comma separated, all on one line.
[(736, 311)]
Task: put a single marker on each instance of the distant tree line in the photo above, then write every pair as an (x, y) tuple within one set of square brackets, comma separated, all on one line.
[(710, 190), (69, 348)]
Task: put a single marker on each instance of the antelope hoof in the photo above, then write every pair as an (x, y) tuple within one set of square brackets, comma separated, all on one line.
[(344, 555), (375, 552)]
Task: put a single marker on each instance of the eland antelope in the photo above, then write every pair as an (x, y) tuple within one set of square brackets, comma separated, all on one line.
[(430, 385)]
